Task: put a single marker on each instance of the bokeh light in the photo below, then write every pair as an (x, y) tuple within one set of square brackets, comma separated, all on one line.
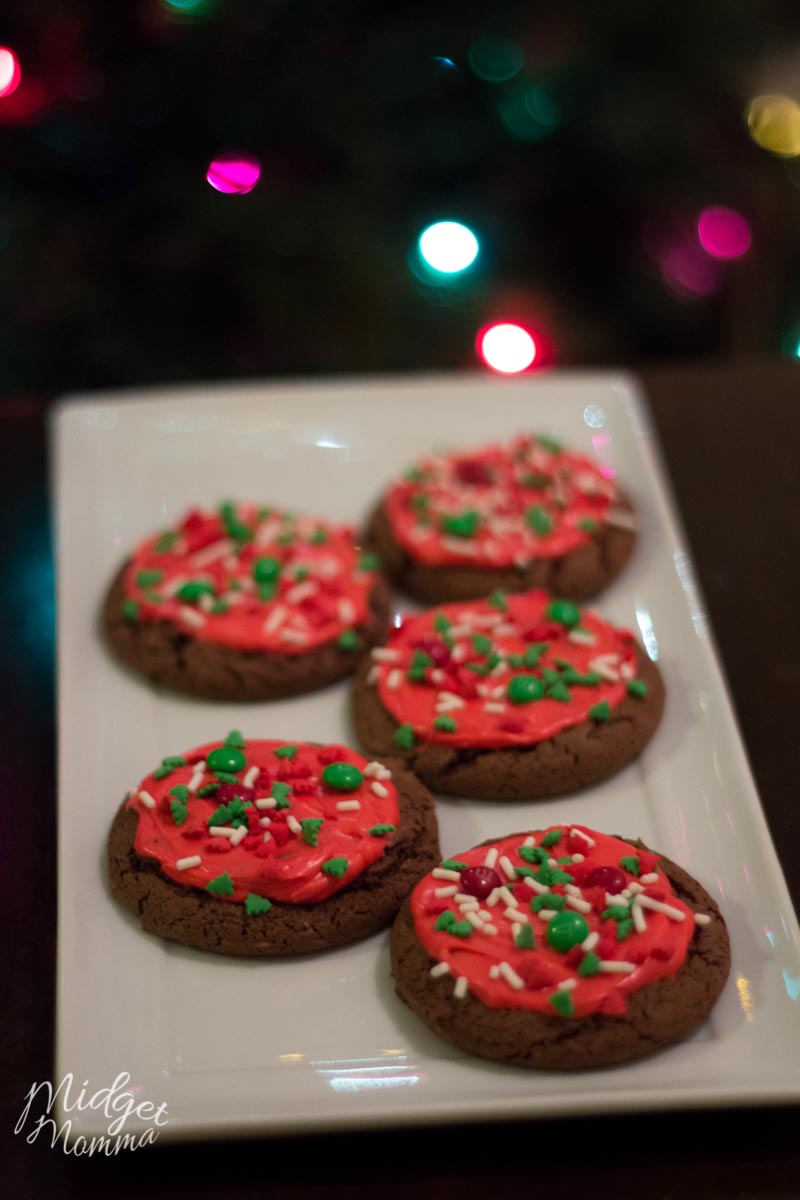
[(235, 172), (10, 72), (723, 232), (774, 124), (506, 348), (495, 59), (686, 270), (448, 246), (192, 8)]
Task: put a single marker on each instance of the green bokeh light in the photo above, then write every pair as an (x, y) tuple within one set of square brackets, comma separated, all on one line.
[(495, 59)]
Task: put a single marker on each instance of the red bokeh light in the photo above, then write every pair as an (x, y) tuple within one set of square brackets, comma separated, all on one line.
[(10, 72), (506, 347)]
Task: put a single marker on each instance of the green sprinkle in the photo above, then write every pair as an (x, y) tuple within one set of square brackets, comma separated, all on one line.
[(154, 597), (349, 640), (279, 792), (208, 790), (414, 475), (548, 900), (481, 644), (533, 854), (462, 525), (533, 653), (253, 904), (263, 514), (637, 687), (570, 675), (235, 585), (146, 579), (523, 938), (535, 482), (165, 542), (616, 912), (562, 1003), (559, 691), (285, 539), (234, 813), (564, 612), (382, 830), (130, 610), (552, 838), (445, 724), (310, 827), (221, 886), (335, 867), (452, 864), (460, 929), (191, 592), (566, 859), (369, 562), (420, 659), (444, 920), (601, 711), (403, 736), (551, 875), (587, 525), (441, 623), (589, 964), (630, 863), (233, 526), (623, 929), (539, 520), (479, 668), (549, 443), (525, 871), (180, 792), (219, 606), (286, 752), (226, 777), (319, 537), (179, 811), (168, 765), (266, 592), (300, 573), (235, 740), (497, 599)]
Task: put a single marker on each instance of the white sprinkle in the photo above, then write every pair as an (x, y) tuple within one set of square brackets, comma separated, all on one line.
[(191, 617), (239, 834), (184, 864), (442, 892), (211, 553), (634, 888), (487, 618), (547, 913), (702, 919), (382, 654), (581, 637), (581, 905), (657, 906), (484, 915), (577, 858), (474, 920), (440, 969), (651, 877), (267, 836), (566, 985), (627, 670), (579, 833), (508, 897), (247, 584), (612, 967), (493, 897), (373, 675), (605, 666), (265, 822), (275, 618), (505, 865), (450, 698), (572, 890), (346, 610), (459, 653), (197, 778), (445, 873), (394, 678), (206, 602), (352, 805), (462, 897), (147, 800), (378, 788), (516, 914), (626, 892), (458, 631), (510, 975), (294, 824), (460, 990), (551, 862), (616, 899), (590, 942), (493, 707), (460, 546), (266, 802), (639, 922), (173, 585), (376, 770), (498, 669), (529, 841), (221, 831), (464, 906), (534, 885), (491, 857), (494, 971), (504, 630), (251, 775), (301, 591), (437, 676), (294, 635), (491, 930)]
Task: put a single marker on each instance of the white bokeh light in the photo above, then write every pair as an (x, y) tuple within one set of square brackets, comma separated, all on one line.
[(448, 247)]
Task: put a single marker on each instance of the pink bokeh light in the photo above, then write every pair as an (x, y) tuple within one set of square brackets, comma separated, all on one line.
[(10, 72), (723, 232), (234, 172)]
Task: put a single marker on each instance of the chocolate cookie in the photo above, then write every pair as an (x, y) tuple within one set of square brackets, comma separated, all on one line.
[(309, 850), (246, 604), (598, 956), (515, 698), (526, 514)]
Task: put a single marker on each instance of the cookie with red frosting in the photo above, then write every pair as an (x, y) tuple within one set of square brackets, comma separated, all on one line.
[(562, 949), (261, 848), (246, 603), (526, 513), (513, 697)]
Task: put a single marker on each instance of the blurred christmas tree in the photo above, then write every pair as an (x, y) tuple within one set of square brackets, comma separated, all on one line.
[(580, 143)]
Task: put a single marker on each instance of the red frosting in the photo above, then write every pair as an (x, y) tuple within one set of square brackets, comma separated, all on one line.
[(321, 587), (520, 501), (475, 650), (272, 860), (655, 952)]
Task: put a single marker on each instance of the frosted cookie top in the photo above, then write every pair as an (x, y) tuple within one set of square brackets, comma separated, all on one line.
[(253, 579)]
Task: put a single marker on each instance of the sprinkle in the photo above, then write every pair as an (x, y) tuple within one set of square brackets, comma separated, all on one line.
[(493, 897), (301, 591), (444, 873), (376, 770), (651, 877), (529, 842), (505, 865), (474, 920), (442, 892), (265, 822), (239, 834), (190, 617), (491, 930), (197, 778), (255, 904), (566, 985), (404, 736), (516, 915), (310, 828), (394, 678), (445, 725), (577, 858), (590, 942), (460, 990), (562, 1003), (494, 707), (266, 802), (251, 775), (295, 636), (222, 830), (221, 886), (449, 700), (627, 671), (335, 867), (294, 824), (147, 800), (468, 905), (581, 905), (506, 896), (657, 906), (494, 971), (589, 965), (275, 618), (702, 919), (382, 830), (382, 654), (211, 553), (184, 864), (579, 833), (440, 969), (601, 711), (373, 675), (612, 967), (347, 611), (534, 885), (511, 977), (581, 637), (350, 805), (491, 857)]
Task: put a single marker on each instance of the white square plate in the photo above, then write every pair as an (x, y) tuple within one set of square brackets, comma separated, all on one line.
[(321, 1042)]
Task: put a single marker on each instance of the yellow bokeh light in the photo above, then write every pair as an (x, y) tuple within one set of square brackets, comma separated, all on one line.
[(745, 996), (774, 124)]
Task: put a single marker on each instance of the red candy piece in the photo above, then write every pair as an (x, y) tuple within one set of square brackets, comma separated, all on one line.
[(234, 791), (610, 878), (280, 832), (479, 881), (435, 649), (647, 862), (472, 470)]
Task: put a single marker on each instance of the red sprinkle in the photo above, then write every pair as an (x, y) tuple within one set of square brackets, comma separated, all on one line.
[(331, 754), (219, 845)]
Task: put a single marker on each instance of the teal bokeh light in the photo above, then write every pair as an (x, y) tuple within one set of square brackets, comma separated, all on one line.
[(495, 59), (448, 247)]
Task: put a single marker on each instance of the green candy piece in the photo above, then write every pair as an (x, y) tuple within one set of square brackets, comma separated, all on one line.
[(130, 610), (279, 792), (233, 526), (637, 687), (522, 689), (462, 525), (335, 867), (179, 811), (564, 612), (441, 623), (587, 525), (497, 599), (369, 562), (253, 904), (404, 736), (288, 751), (266, 592), (539, 520), (565, 930), (548, 443), (557, 690), (445, 724), (601, 711), (266, 570), (589, 964), (190, 593), (382, 830), (562, 1003), (234, 813), (226, 759), (630, 863), (481, 644), (222, 885), (319, 537), (444, 920), (235, 740), (349, 640), (552, 875), (553, 837), (146, 579), (310, 827), (342, 776), (523, 938)]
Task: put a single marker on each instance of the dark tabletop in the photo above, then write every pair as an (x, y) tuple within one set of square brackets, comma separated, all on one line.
[(730, 439)]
